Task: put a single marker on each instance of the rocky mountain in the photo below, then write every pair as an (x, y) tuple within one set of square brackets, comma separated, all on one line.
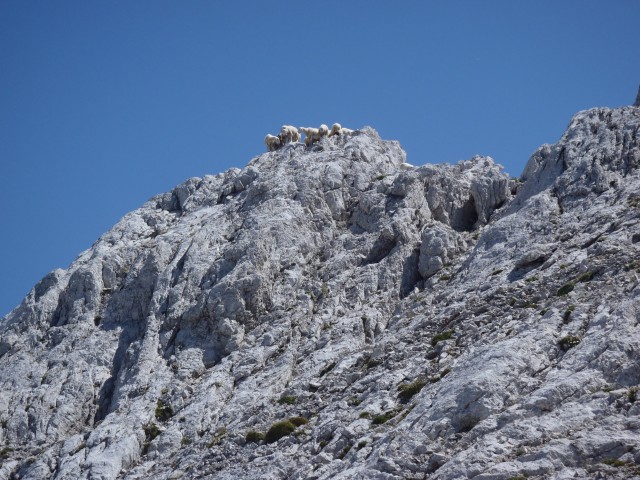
[(329, 312)]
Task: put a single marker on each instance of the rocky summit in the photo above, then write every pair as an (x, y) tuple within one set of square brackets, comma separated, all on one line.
[(330, 312)]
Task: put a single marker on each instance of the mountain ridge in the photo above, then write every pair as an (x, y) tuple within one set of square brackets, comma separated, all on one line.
[(442, 321)]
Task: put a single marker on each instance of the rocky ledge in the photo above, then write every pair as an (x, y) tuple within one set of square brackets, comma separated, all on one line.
[(329, 313)]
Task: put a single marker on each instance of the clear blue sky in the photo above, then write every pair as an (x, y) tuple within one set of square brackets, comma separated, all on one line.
[(105, 104)]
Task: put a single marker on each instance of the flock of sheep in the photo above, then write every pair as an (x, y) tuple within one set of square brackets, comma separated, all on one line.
[(289, 134)]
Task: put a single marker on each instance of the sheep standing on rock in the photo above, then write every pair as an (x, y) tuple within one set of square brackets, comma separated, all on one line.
[(313, 135), (337, 129), (405, 166), (272, 142), (289, 134)]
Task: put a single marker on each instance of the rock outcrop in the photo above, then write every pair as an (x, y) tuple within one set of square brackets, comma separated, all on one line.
[(434, 322)]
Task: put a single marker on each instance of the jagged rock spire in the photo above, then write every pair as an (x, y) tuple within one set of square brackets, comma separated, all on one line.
[(637, 103)]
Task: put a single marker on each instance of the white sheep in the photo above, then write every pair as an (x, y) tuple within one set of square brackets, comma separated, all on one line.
[(405, 166), (272, 142), (289, 134), (337, 129), (311, 135)]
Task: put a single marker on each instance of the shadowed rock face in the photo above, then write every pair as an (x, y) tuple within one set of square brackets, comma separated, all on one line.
[(440, 321)]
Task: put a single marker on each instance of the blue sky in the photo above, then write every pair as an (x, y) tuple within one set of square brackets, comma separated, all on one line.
[(105, 104)]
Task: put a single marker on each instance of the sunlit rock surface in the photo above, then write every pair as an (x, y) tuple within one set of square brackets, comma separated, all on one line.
[(442, 321)]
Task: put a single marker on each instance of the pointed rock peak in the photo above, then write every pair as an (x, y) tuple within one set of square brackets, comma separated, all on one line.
[(637, 102)]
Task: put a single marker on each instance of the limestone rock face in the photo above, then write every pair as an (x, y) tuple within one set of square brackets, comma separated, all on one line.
[(430, 322), (439, 246)]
